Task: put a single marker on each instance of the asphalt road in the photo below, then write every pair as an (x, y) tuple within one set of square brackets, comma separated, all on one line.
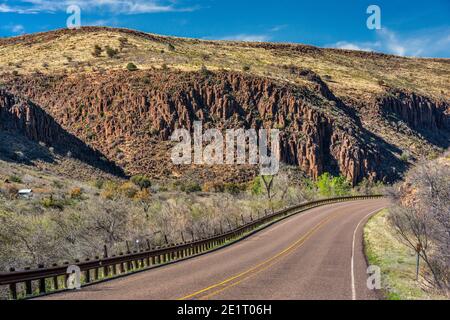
[(314, 255)]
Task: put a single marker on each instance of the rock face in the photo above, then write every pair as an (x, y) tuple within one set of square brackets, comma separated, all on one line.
[(20, 116), (129, 117), (420, 113)]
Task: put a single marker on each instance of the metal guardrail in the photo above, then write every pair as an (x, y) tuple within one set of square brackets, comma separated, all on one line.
[(22, 284)]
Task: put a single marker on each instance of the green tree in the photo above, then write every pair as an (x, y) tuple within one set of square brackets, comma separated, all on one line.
[(330, 186), (256, 186), (340, 186)]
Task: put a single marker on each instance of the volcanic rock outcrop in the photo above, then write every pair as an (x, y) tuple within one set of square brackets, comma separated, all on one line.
[(21, 117), (130, 116)]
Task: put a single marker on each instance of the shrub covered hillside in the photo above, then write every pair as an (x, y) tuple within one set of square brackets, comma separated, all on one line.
[(66, 219)]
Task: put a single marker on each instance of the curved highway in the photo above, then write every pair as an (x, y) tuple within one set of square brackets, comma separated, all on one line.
[(314, 255)]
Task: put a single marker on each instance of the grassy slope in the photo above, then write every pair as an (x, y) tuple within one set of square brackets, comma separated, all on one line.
[(353, 74), (397, 262)]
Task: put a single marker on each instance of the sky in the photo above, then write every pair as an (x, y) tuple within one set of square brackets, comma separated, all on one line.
[(408, 28)]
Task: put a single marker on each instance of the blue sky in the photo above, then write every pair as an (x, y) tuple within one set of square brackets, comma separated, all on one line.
[(412, 28)]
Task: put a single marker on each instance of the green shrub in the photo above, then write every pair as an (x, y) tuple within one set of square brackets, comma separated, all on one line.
[(97, 51), (53, 203), (15, 179), (111, 52), (233, 188), (141, 181), (191, 187), (257, 187), (170, 47), (246, 68), (131, 67)]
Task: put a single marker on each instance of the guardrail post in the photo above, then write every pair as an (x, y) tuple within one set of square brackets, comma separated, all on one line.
[(13, 287), (55, 283), (42, 288)]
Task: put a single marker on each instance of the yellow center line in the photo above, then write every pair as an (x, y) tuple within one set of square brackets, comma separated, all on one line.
[(265, 264)]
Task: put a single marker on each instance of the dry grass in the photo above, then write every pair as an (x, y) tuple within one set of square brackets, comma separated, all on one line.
[(351, 74)]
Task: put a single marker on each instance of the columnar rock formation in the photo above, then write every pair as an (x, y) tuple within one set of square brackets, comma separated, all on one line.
[(129, 117), (20, 116)]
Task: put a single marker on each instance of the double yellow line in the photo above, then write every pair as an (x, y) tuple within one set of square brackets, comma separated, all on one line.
[(236, 279)]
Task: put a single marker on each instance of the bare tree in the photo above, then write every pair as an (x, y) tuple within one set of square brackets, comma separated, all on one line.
[(421, 217)]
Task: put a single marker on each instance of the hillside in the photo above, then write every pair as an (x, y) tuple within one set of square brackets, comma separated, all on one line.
[(355, 113)]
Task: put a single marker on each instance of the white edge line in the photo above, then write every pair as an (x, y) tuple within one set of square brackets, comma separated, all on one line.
[(353, 252)]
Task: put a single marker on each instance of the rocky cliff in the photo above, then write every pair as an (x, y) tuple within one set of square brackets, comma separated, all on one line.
[(19, 116), (129, 117), (423, 114)]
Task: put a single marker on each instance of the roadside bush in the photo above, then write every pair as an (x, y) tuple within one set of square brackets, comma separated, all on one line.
[(141, 181), (191, 187), (330, 186)]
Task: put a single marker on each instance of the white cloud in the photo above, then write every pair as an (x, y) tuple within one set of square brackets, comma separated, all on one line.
[(278, 28), (351, 46), (14, 28), (425, 43), (18, 28), (247, 37), (112, 6)]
